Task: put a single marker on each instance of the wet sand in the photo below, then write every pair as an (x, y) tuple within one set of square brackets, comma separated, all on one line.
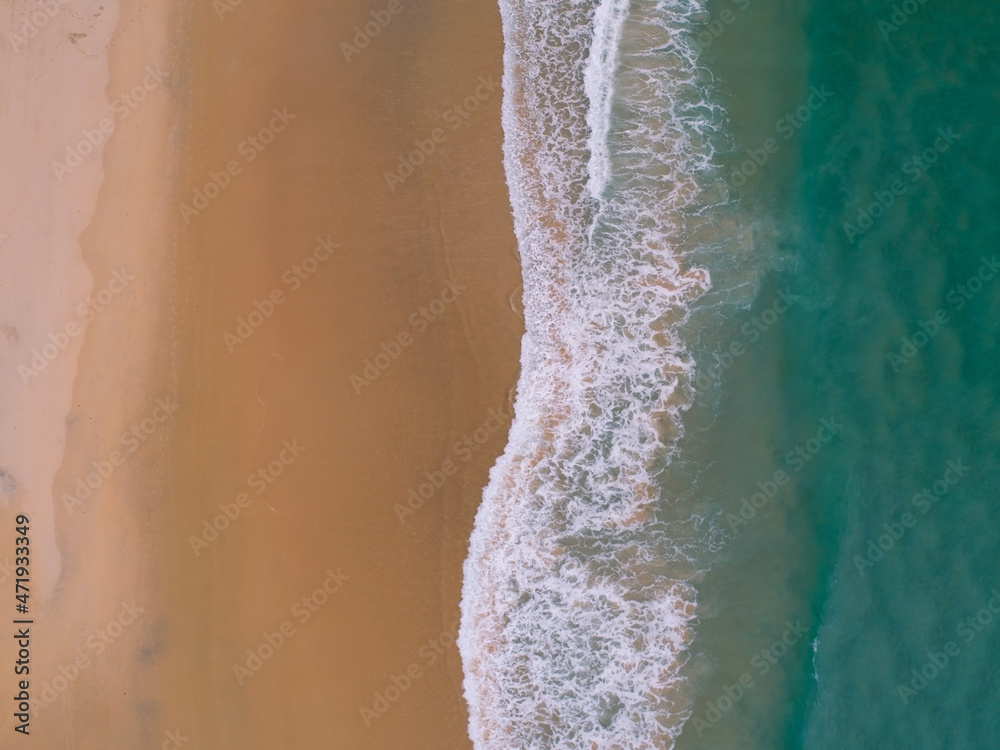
[(333, 338)]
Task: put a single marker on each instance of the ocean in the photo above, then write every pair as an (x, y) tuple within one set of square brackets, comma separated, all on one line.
[(747, 499)]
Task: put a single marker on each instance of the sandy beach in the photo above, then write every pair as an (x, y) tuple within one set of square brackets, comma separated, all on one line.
[(294, 388)]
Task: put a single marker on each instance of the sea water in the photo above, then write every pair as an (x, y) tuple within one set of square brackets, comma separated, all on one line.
[(747, 500)]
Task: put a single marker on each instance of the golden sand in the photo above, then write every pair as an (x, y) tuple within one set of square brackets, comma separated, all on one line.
[(333, 338)]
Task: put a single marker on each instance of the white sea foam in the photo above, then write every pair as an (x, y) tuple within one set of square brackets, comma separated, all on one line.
[(598, 81), (577, 607)]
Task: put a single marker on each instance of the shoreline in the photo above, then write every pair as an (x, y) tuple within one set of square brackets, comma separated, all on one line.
[(415, 282)]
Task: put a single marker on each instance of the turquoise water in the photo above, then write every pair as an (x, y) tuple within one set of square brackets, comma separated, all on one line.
[(883, 539)]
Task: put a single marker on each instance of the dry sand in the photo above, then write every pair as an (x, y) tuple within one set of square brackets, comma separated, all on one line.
[(370, 661)]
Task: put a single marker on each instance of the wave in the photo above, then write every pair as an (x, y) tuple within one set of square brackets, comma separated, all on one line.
[(598, 81), (577, 607)]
